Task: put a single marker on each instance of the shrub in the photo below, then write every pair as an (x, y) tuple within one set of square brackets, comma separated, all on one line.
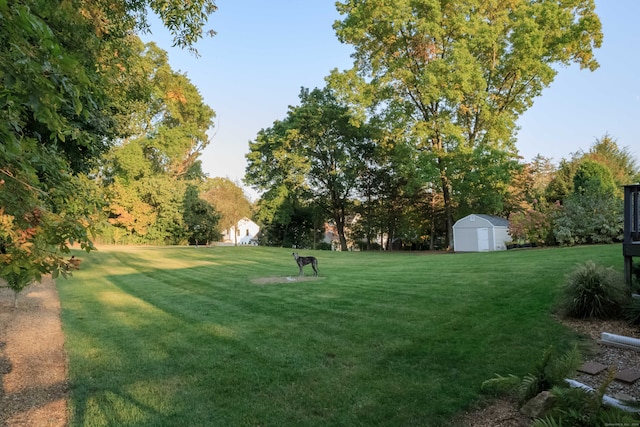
[(589, 218), (534, 225), (596, 292)]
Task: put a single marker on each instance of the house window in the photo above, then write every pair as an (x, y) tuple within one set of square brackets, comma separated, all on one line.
[(237, 232), (247, 231)]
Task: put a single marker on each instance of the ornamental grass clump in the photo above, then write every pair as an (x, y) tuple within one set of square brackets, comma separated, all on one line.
[(595, 292), (632, 312)]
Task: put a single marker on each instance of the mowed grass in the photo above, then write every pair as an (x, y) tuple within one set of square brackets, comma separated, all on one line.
[(183, 336)]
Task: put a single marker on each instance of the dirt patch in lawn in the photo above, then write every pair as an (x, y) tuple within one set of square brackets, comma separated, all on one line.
[(501, 413), (33, 364), (285, 279)]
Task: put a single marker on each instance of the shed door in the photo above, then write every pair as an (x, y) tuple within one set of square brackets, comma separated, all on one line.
[(483, 239)]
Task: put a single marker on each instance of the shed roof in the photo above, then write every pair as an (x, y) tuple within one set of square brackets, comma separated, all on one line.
[(494, 221)]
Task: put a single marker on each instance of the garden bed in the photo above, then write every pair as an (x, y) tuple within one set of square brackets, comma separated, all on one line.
[(504, 412)]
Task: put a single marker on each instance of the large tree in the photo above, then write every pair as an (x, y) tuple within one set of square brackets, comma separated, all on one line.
[(229, 201), (317, 149), (279, 174), (200, 218), (145, 174), (463, 72), (59, 63), (604, 151), (619, 160), (389, 192), (592, 213)]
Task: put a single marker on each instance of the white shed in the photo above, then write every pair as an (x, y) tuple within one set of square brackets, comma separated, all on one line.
[(480, 233)]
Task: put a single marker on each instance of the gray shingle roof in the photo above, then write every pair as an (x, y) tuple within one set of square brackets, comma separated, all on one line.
[(494, 220)]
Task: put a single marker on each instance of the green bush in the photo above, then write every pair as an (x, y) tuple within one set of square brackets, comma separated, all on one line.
[(589, 218), (596, 292)]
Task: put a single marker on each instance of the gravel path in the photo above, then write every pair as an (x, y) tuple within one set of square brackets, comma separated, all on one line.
[(33, 364), (619, 359)]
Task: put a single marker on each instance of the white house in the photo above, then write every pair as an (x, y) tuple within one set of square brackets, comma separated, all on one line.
[(480, 233), (243, 233)]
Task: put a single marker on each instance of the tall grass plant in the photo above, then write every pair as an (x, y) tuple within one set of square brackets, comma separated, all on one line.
[(595, 291)]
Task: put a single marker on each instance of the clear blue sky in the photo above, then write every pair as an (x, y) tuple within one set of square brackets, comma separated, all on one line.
[(264, 51)]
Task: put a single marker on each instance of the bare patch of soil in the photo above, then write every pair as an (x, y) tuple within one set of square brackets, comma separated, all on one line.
[(33, 364), (500, 413), (286, 279)]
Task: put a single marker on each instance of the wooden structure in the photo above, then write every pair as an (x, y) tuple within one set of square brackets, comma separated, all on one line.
[(631, 242), (480, 233)]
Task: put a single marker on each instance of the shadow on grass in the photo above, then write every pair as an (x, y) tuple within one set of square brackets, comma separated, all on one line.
[(389, 340)]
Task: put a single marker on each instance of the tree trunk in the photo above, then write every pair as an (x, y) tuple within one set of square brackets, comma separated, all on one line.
[(341, 235), (390, 232), (339, 216), (432, 231), (315, 238), (284, 235), (448, 212)]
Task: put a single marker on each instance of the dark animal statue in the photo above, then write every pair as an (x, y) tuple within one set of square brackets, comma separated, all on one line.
[(304, 260)]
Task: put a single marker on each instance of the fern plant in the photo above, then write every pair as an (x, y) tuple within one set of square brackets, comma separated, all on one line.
[(547, 422), (551, 370), (578, 407)]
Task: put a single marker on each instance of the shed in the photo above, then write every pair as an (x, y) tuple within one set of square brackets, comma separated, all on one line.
[(480, 233)]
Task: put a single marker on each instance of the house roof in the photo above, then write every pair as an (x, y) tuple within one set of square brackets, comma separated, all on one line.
[(246, 220)]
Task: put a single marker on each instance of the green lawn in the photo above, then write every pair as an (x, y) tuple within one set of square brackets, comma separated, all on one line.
[(182, 336)]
